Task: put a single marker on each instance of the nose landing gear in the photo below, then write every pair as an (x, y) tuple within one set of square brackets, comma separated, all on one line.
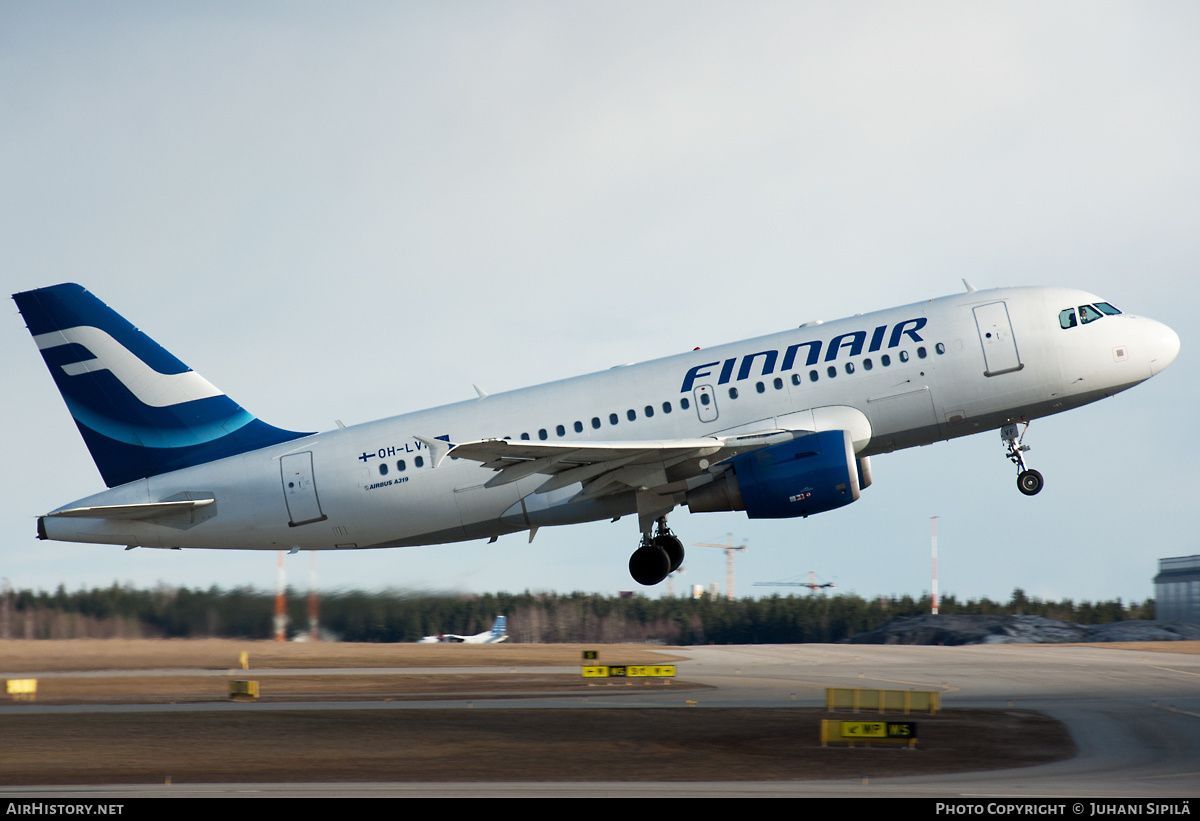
[(1029, 481), (657, 556)]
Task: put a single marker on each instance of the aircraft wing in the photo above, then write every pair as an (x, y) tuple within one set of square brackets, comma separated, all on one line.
[(608, 467)]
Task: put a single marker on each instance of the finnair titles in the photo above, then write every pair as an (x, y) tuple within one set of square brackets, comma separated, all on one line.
[(780, 426), (852, 341)]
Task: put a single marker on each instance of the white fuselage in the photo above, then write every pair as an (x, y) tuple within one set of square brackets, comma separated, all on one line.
[(954, 366)]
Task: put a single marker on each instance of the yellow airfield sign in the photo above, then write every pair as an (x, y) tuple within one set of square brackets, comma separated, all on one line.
[(879, 729), (630, 671)]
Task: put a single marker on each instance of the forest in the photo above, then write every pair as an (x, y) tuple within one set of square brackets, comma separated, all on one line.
[(404, 616)]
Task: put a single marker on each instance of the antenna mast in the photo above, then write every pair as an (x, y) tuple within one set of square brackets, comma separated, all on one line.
[(933, 537)]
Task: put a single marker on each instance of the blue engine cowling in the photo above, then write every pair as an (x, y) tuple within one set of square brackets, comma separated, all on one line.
[(811, 474)]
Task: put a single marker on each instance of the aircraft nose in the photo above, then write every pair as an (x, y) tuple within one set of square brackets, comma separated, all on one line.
[(1162, 344)]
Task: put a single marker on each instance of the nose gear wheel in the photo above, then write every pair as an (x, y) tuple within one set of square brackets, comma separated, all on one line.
[(1029, 481)]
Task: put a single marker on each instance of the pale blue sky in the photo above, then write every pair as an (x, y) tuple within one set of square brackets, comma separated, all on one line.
[(348, 211)]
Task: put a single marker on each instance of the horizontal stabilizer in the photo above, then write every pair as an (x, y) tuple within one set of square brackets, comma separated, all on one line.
[(151, 510)]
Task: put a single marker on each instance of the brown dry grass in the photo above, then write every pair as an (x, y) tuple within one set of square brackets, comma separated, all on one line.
[(276, 688), (499, 745), (222, 654), (19, 656)]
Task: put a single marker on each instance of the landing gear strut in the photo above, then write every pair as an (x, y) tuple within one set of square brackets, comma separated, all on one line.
[(658, 556), (1029, 481)]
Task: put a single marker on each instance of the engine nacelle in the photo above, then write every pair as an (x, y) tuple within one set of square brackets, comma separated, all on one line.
[(811, 474)]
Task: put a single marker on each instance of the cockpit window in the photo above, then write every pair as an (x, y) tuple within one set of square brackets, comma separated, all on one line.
[(1106, 308), (1089, 314), (1066, 319)]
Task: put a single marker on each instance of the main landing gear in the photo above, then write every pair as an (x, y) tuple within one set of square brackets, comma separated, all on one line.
[(657, 557), (1029, 481)]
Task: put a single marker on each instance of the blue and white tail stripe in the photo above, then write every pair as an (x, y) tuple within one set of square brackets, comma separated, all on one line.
[(141, 411), (499, 627)]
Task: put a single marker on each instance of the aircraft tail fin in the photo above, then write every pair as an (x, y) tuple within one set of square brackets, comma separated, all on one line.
[(140, 410), (498, 628)]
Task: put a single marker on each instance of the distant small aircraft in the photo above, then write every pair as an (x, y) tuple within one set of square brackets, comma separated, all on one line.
[(493, 636), (812, 584), (779, 426)]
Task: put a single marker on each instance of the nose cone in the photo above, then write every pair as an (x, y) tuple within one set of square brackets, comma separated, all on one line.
[(1162, 343)]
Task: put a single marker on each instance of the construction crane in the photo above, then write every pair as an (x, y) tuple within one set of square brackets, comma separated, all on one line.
[(728, 548), (811, 584)]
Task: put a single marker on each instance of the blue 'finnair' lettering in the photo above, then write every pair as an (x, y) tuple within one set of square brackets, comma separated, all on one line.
[(852, 343)]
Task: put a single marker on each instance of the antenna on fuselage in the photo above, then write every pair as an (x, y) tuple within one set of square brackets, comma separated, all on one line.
[(970, 288)]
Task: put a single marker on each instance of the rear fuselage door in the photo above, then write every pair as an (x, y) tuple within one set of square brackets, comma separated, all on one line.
[(300, 489), (996, 335)]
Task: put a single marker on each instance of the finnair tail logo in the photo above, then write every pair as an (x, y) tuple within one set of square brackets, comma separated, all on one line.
[(158, 390)]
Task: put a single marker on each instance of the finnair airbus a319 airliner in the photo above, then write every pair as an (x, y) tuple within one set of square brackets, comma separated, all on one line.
[(779, 426)]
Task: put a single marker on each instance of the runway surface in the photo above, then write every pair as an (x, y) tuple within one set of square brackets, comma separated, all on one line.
[(1134, 715)]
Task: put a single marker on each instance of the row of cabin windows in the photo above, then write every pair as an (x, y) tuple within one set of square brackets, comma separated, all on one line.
[(648, 411), (885, 361), (418, 462), (613, 419), (831, 371)]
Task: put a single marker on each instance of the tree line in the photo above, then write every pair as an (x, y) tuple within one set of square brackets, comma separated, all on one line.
[(405, 616)]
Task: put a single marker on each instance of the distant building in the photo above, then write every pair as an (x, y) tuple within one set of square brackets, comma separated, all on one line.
[(1177, 589)]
